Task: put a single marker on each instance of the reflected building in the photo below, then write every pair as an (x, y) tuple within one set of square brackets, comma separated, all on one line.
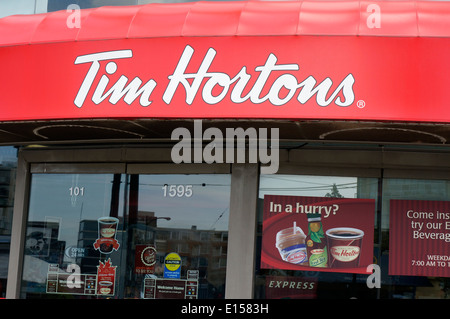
[(202, 250)]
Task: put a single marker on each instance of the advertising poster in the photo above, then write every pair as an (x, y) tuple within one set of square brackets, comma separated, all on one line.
[(419, 238), (145, 259), (172, 266), (170, 288), (106, 278), (317, 233)]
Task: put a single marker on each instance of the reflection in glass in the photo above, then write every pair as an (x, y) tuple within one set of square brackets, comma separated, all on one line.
[(183, 214), (62, 226), (307, 284), (115, 233), (8, 167)]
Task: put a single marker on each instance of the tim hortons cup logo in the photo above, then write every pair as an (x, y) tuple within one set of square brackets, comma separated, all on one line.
[(106, 242), (272, 82), (344, 247), (345, 253)]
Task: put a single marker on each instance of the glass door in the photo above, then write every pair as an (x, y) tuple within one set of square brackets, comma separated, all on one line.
[(145, 236), (74, 236), (182, 220)]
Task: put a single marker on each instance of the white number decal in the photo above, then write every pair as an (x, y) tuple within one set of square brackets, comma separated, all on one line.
[(76, 191), (177, 190)]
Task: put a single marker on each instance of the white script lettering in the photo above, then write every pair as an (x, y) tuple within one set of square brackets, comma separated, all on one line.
[(272, 82), (287, 81), (120, 89)]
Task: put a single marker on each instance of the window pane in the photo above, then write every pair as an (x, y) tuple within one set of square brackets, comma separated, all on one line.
[(8, 166), (16, 7), (126, 236), (61, 231), (407, 191), (281, 280), (183, 215)]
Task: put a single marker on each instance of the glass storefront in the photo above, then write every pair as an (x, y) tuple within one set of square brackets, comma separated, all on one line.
[(422, 190), (126, 236), (165, 236), (8, 167), (310, 283), (134, 233)]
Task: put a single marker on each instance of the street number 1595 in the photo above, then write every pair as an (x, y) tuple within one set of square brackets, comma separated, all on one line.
[(177, 190)]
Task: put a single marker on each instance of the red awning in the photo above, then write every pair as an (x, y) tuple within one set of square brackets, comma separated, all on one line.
[(252, 18), (122, 72)]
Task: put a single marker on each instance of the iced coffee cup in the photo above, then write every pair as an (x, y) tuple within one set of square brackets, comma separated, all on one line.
[(291, 245), (344, 247)]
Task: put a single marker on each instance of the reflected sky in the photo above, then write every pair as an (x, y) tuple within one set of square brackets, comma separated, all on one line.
[(71, 198), (53, 198), (207, 208), (302, 185)]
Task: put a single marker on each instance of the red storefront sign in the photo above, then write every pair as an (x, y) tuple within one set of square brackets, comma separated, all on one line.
[(419, 238), (336, 61)]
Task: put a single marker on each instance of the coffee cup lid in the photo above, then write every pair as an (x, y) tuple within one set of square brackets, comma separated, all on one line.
[(358, 232)]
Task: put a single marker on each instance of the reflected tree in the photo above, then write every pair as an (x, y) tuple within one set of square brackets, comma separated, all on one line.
[(334, 192)]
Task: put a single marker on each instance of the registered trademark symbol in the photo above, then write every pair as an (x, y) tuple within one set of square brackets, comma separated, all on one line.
[(361, 104)]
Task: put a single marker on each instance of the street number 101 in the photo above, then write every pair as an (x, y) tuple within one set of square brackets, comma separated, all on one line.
[(76, 191)]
